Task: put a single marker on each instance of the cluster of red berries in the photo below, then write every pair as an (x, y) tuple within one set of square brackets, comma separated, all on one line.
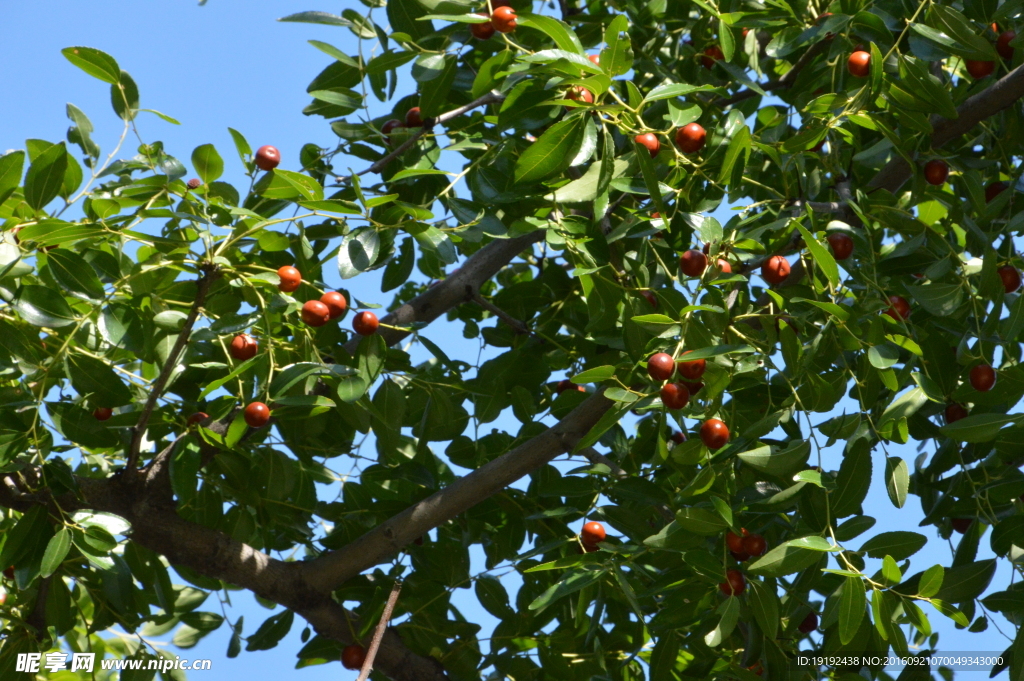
[(745, 545), (502, 19), (330, 306), (413, 119)]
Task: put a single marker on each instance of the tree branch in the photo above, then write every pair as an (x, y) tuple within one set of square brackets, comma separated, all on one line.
[(378, 634), (489, 98), (517, 325), (988, 102), (204, 282), (332, 569)]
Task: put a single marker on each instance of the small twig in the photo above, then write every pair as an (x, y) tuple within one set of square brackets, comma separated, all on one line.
[(378, 635), (489, 98), (204, 282), (785, 80), (517, 326)]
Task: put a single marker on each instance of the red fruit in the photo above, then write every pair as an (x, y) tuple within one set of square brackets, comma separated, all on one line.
[(335, 302), (734, 542), (756, 668), (267, 157), (677, 437), (1010, 276), (482, 31), (690, 138), (651, 141), (694, 387), (194, 183), (706, 248), (842, 245), (993, 190), (650, 298), (899, 308), (365, 323), (593, 534), (595, 59), (198, 417), (859, 64), (674, 395), (955, 412), (983, 377), (566, 384), (314, 313), (711, 55), (580, 94), (979, 68), (714, 433), (290, 278), (724, 266), (353, 656), (755, 545), (692, 369), (413, 119), (243, 347), (734, 585), (661, 366), (504, 19), (809, 624), (961, 525), (936, 171), (693, 263), (394, 122), (102, 413), (740, 556), (775, 270), (9, 572), (257, 414), (1003, 44)]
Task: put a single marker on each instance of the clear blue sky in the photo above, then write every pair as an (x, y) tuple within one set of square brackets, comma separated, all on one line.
[(231, 63)]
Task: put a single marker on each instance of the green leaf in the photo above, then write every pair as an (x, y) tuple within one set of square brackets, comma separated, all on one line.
[(852, 604), (570, 583), (434, 99), (358, 252), (45, 176), (899, 544), (617, 56), (940, 300), (207, 163), (241, 144), (931, 581), (11, 166), (821, 256), (42, 306), (897, 480), (786, 559), (674, 90), (312, 17), (94, 377), (966, 582), (764, 603), (293, 374), (968, 44), (730, 613), (739, 146), (595, 375), (552, 152), (124, 97), (559, 31), (94, 62), (56, 551), (271, 631), (288, 185), (980, 427), (700, 521), (780, 462), (74, 274)]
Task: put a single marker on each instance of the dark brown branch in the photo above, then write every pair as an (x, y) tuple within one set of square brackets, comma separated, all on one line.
[(517, 326), (783, 81), (378, 635), (489, 98), (203, 287), (988, 102), (330, 570)]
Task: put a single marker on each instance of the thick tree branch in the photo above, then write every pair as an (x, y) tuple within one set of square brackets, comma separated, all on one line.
[(988, 102), (203, 287), (333, 569), (451, 291), (489, 98)]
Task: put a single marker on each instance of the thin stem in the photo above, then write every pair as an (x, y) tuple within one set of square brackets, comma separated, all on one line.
[(378, 635)]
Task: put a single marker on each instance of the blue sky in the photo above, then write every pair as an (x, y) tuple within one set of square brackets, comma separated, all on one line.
[(231, 63)]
